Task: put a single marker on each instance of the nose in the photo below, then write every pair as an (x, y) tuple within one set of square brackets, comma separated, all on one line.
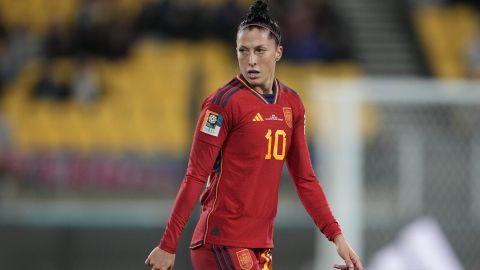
[(252, 61)]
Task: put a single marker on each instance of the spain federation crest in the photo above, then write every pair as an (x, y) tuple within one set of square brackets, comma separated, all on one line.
[(245, 259), (287, 113)]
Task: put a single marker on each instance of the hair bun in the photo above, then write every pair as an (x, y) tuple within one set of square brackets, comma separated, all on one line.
[(259, 9), (259, 15)]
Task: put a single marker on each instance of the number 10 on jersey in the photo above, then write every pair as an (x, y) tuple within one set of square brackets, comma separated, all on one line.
[(279, 138)]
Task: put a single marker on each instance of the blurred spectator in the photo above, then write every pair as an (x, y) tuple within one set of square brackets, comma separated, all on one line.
[(2, 53), (153, 18), (48, 88), (100, 31), (225, 20), (120, 39), (5, 139), (3, 31), (173, 19), (88, 33), (473, 55), (4, 130), (312, 32), (85, 82), (20, 47), (58, 41), (3, 35)]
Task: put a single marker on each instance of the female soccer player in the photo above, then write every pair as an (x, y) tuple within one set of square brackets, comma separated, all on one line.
[(246, 130)]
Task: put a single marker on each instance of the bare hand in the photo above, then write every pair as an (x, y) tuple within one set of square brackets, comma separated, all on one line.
[(352, 261), (159, 259)]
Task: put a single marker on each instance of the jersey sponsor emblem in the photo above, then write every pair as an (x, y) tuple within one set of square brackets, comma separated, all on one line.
[(258, 117), (273, 117), (212, 123), (244, 259), (287, 112)]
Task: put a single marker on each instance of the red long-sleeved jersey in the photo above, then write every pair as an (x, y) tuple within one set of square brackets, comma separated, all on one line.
[(239, 148)]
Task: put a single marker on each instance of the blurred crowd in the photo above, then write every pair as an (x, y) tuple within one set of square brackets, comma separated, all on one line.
[(103, 29), (310, 28)]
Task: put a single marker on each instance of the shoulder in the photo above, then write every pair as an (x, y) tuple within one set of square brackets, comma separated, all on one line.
[(291, 95), (223, 95)]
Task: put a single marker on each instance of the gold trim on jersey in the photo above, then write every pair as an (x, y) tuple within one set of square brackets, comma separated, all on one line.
[(277, 90), (214, 200)]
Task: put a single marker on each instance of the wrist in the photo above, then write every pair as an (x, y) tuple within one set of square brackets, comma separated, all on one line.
[(166, 248), (338, 239)]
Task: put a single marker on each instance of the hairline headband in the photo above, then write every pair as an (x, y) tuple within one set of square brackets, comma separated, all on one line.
[(264, 27)]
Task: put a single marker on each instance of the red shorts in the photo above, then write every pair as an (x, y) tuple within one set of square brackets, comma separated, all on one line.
[(215, 257)]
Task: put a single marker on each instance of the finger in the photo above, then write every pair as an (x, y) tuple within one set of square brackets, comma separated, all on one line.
[(340, 266), (349, 263), (358, 265), (147, 261), (356, 261)]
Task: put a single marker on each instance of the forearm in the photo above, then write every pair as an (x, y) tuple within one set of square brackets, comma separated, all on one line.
[(306, 183), (202, 157), (182, 209), (315, 202)]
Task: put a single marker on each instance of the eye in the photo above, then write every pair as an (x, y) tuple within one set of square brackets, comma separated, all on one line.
[(242, 50), (261, 50)]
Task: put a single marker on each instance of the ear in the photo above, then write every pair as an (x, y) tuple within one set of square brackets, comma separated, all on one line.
[(278, 53)]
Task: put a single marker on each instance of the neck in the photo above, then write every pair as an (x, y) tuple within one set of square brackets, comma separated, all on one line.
[(267, 88)]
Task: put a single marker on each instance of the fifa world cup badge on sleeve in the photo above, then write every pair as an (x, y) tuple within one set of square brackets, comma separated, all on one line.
[(212, 123)]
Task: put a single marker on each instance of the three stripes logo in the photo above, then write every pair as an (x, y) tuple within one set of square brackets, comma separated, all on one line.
[(258, 118)]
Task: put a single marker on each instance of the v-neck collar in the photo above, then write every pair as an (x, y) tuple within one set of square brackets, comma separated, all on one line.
[(250, 88)]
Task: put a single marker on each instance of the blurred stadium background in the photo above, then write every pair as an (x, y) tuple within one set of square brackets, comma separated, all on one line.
[(98, 101)]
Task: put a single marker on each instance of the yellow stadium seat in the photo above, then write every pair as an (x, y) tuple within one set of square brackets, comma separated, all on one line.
[(445, 33)]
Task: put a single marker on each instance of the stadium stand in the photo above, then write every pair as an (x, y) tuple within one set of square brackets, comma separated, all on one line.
[(145, 103), (445, 32), (146, 87)]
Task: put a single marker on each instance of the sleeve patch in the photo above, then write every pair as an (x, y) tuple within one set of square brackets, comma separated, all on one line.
[(212, 123)]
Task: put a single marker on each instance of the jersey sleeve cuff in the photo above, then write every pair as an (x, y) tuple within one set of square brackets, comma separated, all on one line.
[(167, 248), (332, 231)]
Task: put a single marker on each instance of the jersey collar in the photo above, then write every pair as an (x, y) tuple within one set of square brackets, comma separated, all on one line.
[(274, 88)]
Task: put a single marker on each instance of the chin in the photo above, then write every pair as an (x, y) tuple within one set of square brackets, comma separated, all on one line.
[(254, 83)]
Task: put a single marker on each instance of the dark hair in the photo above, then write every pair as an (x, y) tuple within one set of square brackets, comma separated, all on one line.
[(258, 16)]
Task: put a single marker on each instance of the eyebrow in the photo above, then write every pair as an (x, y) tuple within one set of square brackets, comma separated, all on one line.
[(256, 47)]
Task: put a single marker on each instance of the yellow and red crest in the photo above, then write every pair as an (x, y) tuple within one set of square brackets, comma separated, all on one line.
[(245, 259), (287, 112)]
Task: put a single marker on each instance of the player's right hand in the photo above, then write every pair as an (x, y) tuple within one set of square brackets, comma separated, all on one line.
[(159, 259)]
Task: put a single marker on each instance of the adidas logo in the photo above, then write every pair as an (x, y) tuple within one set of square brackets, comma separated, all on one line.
[(258, 118)]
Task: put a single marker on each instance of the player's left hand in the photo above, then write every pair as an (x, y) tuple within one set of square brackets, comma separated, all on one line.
[(352, 261)]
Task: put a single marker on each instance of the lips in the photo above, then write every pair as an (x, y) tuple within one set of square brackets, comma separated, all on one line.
[(253, 74)]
